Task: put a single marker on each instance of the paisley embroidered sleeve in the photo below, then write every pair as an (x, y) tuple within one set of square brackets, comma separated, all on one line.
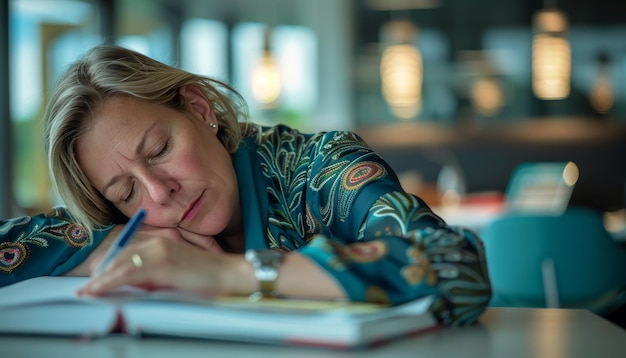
[(405, 252), (42, 245), (384, 245)]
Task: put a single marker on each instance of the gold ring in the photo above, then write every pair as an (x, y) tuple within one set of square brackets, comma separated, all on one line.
[(137, 261)]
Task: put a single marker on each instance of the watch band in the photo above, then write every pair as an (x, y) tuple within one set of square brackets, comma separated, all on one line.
[(265, 264)]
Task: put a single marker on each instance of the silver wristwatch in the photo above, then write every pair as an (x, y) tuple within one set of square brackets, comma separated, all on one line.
[(266, 264)]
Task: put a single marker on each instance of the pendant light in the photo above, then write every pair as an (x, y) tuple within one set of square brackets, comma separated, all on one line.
[(401, 70), (551, 55)]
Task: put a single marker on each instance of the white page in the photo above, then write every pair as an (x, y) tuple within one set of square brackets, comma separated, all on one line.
[(42, 289)]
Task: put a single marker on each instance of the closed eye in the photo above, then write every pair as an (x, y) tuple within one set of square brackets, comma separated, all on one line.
[(163, 150), (131, 194)]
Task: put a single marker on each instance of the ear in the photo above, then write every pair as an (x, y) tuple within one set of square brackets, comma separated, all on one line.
[(199, 106)]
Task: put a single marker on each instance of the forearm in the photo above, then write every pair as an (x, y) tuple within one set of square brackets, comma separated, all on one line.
[(298, 276), (302, 277), (396, 270)]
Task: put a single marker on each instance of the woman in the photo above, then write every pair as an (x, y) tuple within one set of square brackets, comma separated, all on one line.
[(317, 215)]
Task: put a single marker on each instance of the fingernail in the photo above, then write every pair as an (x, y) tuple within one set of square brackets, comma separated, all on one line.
[(82, 291)]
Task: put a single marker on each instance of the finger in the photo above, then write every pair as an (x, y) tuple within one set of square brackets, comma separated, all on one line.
[(164, 264), (147, 264), (127, 270), (146, 235)]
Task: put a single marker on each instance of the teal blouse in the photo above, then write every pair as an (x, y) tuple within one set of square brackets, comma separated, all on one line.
[(326, 195)]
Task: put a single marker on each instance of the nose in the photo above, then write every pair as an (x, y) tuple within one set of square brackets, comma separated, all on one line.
[(159, 187)]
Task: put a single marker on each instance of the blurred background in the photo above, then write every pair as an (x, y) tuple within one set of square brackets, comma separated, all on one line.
[(453, 93)]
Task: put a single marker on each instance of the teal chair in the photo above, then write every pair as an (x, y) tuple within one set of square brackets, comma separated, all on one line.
[(566, 261)]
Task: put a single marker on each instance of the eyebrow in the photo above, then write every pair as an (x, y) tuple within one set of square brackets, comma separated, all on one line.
[(138, 149)]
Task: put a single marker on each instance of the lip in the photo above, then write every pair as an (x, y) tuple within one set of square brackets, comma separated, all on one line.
[(193, 209)]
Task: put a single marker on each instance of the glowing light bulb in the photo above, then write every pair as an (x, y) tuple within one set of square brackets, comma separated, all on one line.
[(551, 61), (266, 81)]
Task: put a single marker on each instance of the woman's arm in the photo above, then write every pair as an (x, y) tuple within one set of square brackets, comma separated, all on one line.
[(179, 264), (405, 252), (44, 244), (382, 244)]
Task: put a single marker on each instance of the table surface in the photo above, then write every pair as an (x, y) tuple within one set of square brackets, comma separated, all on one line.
[(502, 332)]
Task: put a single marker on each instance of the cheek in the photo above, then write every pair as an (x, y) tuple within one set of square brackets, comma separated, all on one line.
[(204, 160), (191, 160), (192, 168)]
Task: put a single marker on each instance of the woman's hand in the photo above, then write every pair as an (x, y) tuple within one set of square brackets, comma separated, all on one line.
[(169, 260), (146, 232)]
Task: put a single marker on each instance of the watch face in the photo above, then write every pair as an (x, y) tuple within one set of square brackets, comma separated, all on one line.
[(264, 257), (270, 257), (265, 263)]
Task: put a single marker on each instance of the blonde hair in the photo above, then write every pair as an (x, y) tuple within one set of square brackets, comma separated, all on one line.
[(106, 71)]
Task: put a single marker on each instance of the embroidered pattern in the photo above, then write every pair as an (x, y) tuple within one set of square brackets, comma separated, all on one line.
[(402, 250), (377, 295), (12, 255), (72, 234), (50, 230), (75, 235), (361, 173), (365, 252), (284, 164)]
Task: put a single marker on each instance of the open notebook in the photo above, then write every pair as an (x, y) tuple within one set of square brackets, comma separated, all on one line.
[(49, 306)]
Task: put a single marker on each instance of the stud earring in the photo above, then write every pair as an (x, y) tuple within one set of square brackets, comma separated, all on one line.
[(212, 125)]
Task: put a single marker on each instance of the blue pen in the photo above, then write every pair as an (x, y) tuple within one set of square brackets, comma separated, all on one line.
[(120, 242)]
